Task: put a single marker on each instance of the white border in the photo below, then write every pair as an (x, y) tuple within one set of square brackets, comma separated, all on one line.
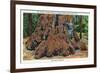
[(49, 63)]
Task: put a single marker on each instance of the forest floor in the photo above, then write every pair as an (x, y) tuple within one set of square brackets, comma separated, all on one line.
[(28, 55)]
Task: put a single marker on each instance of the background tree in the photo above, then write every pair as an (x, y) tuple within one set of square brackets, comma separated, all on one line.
[(25, 25), (81, 24), (30, 21)]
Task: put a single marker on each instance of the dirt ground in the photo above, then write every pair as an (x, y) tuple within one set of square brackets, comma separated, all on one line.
[(28, 55), (83, 54)]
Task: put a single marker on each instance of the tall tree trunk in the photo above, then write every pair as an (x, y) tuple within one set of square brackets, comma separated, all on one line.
[(80, 27), (30, 23), (56, 23)]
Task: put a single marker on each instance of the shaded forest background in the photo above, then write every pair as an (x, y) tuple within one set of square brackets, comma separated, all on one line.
[(30, 21)]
